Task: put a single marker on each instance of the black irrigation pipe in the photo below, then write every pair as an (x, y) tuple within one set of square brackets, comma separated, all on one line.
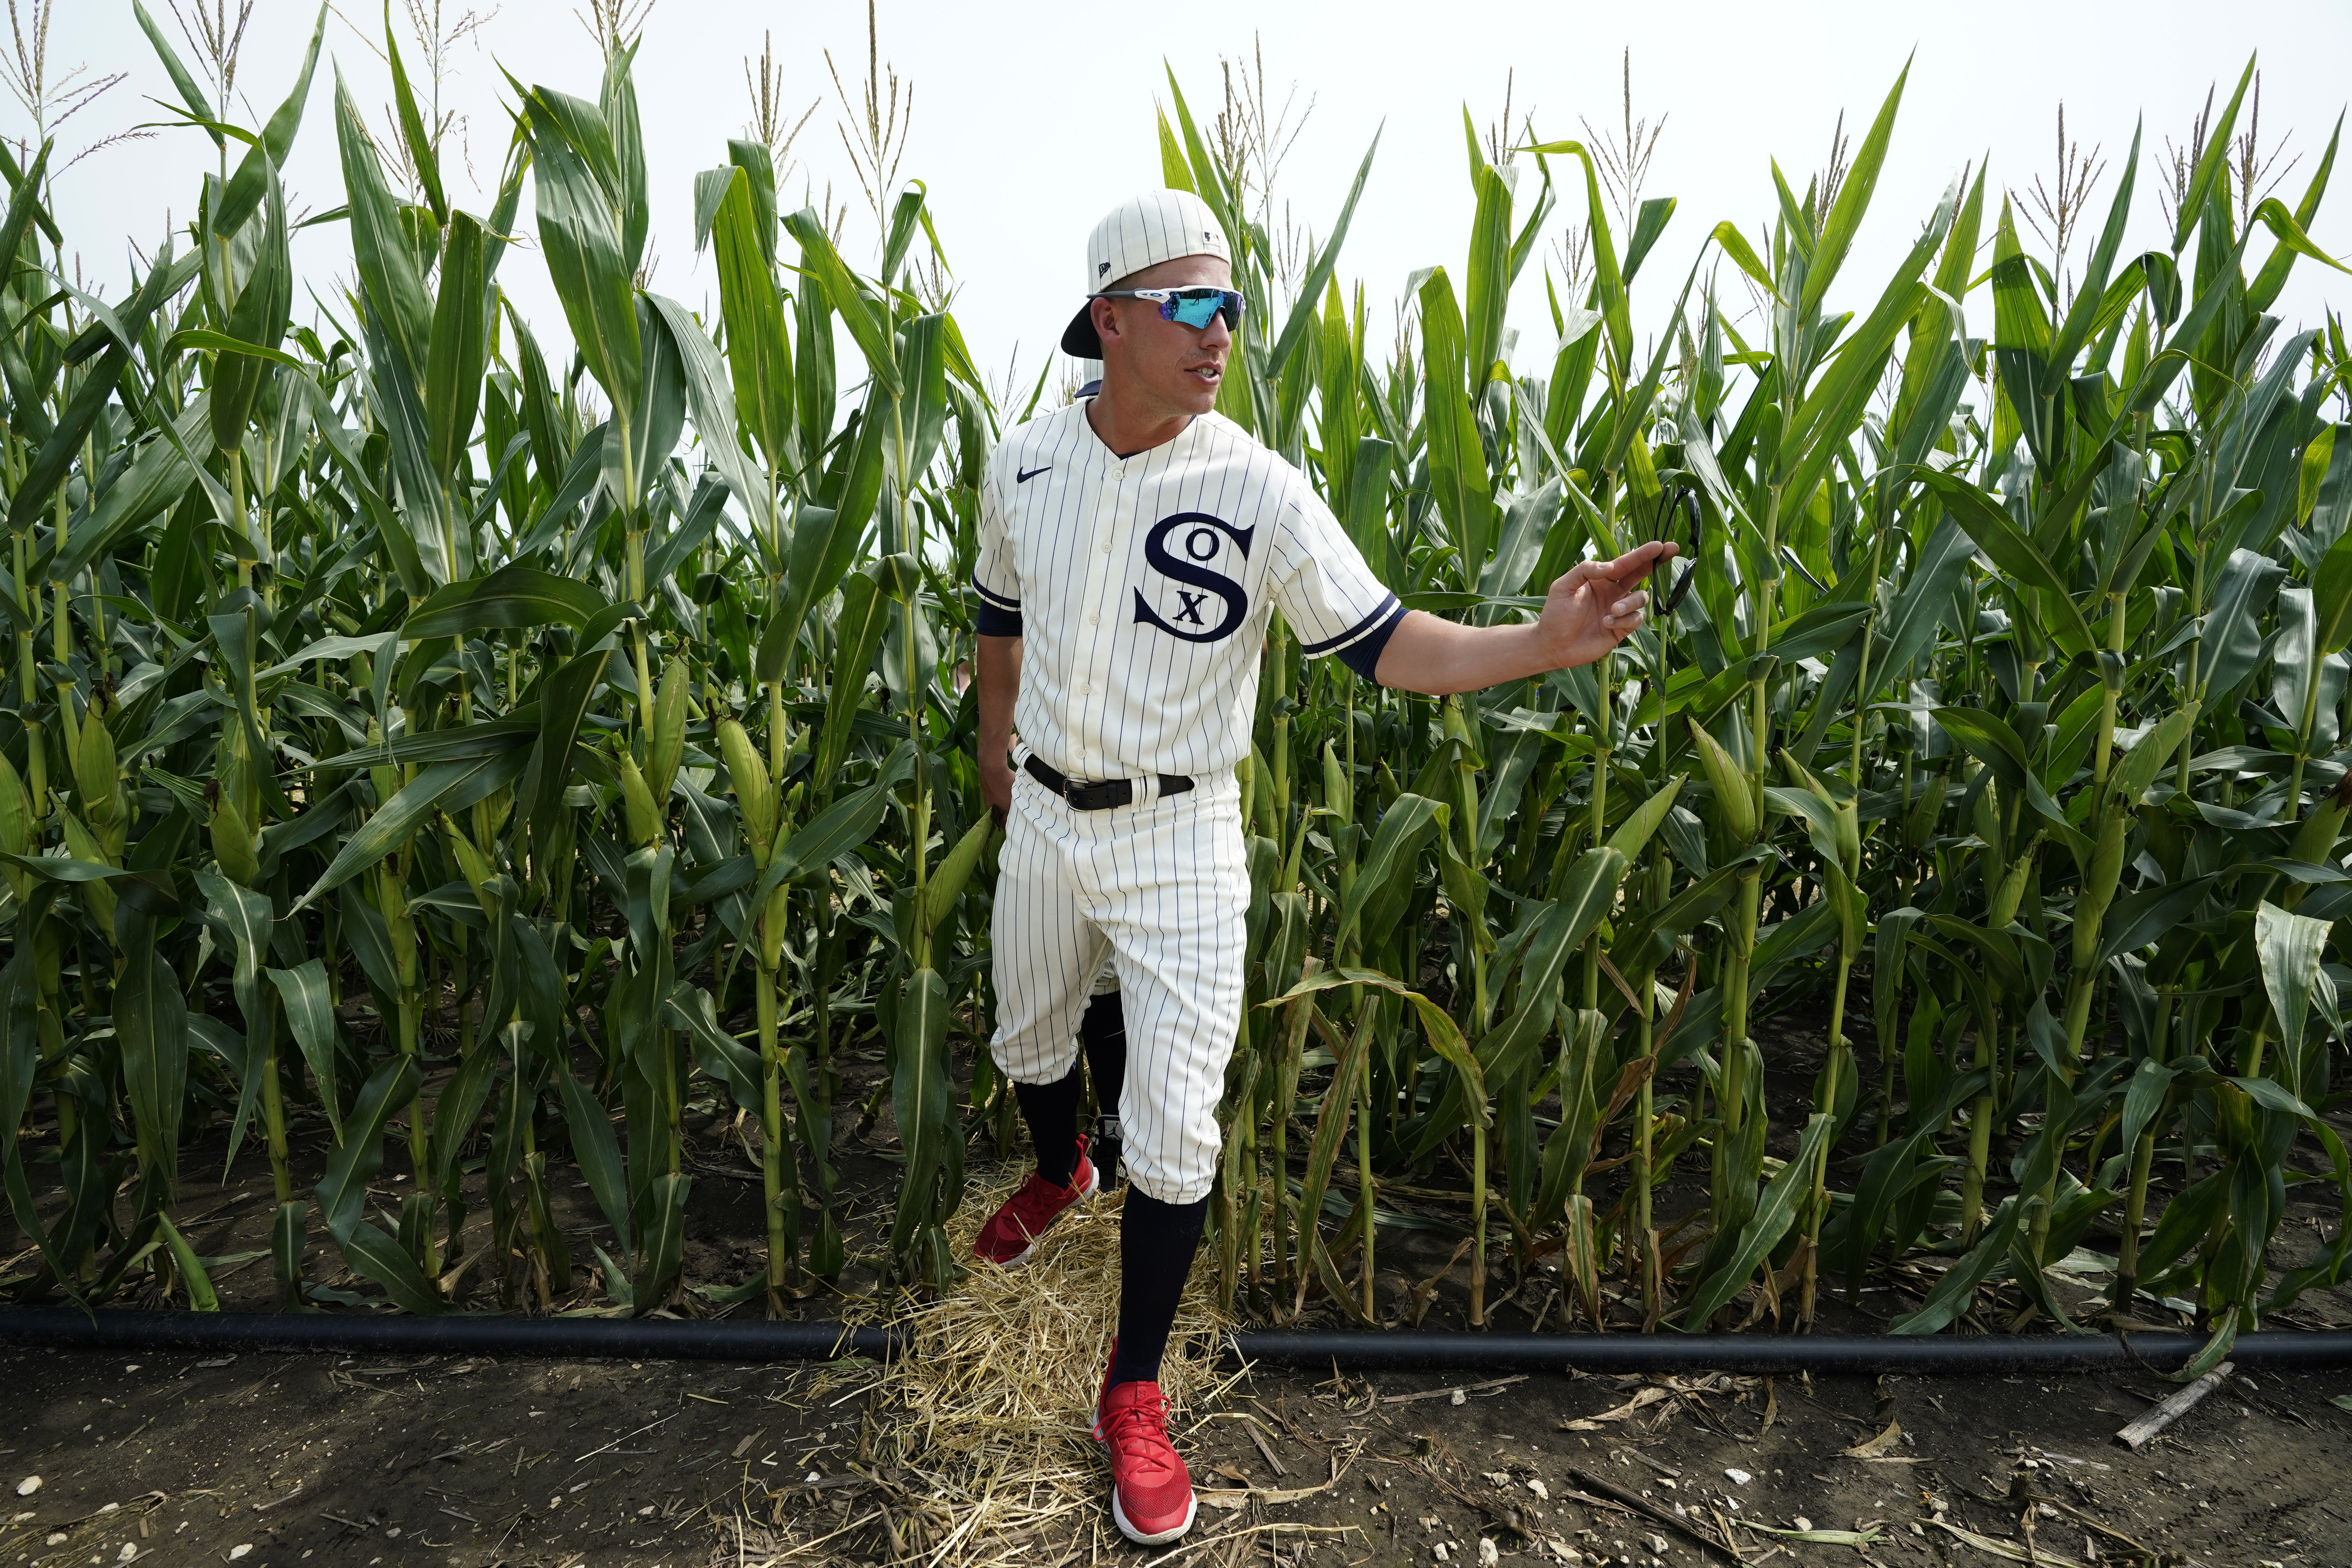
[(61, 1328), (1767, 1354), (455, 1334)]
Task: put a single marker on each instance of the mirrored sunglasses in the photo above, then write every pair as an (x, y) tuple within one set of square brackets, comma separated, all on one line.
[(1191, 308)]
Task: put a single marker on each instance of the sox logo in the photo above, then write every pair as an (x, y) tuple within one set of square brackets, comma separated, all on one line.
[(1201, 544)]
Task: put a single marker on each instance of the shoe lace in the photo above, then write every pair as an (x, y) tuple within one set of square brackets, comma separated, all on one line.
[(1136, 1427), (1038, 1199)]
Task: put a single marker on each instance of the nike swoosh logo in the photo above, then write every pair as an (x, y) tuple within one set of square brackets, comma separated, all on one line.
[(1023, 476)]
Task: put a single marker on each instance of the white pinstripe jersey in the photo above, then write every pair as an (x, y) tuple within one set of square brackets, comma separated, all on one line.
[(1143, 586)]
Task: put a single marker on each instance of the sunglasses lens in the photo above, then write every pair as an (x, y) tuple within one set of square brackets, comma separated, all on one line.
[(1193, 309), (1196, 306)]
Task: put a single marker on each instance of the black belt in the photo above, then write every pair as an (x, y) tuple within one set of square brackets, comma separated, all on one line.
[(1096, 797)]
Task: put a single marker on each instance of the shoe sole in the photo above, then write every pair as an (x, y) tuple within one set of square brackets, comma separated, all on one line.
[(1118, 1517), (1086, 1195)]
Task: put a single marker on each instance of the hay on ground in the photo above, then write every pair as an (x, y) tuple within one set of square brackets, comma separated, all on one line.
[(988, 1421)]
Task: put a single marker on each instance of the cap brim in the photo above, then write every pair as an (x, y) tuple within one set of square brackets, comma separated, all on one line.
[(1079, 338)]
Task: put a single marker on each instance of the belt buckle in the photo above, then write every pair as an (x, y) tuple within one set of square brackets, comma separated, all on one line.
[(1100, 795)]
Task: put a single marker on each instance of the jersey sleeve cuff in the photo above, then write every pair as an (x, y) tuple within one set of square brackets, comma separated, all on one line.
[(990, 596), (1359, 647), (995, 620)]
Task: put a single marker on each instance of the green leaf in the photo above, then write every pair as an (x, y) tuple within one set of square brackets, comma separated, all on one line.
[(871, 331), (2331, 594), (598, 1153), (2009, 549), (1734, 244), (151, 1019), (2146, 915), (1844, 218), (758, 349), (192, 1278), (954, 870), (563, 706), (1608, 283), (1319, 271), (2289, 947), (1991, 740), (580, 232), (359, 1153), (713, 400), (834, 832), (865, 612), (1957, 1288), (267, 155), (2091, 296), (1395, 846), (189, 338), (1998, 949), (445, 786), (2265, 289), (1775, 1212), (1444, 1034), (246, 915), (662, 1230), (375, 1256), (390, 277), (1486, 279), (190, 93), (421, 154), (458, 348), (1458, 482), (310, 1014), (690, 1009), (1633, 834), (825, 541), (919, 1096), (510, 597), (2210, 163)]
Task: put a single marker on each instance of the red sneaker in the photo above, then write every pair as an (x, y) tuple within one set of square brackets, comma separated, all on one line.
[(1011, 1232), (1151, 1492)]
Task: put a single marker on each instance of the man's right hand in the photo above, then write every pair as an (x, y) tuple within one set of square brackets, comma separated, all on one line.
[(996, 784)]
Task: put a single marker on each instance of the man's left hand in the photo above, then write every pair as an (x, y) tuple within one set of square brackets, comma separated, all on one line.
[(1596, 604)]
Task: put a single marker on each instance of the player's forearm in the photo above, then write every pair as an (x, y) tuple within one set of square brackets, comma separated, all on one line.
[(1438, 657), (998, 671)]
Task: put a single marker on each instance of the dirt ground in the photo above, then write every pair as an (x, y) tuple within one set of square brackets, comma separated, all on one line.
[(274, 1460)]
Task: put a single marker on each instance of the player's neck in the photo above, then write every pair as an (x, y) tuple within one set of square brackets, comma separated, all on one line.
[(1128, 424)]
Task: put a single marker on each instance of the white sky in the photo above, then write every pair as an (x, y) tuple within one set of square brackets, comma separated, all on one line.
[(1030, 120)]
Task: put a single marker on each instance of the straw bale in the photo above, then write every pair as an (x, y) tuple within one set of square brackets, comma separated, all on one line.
[(989, 1419)]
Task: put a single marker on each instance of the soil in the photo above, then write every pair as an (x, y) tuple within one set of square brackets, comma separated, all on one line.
[(472, 1463), (275, 1460)]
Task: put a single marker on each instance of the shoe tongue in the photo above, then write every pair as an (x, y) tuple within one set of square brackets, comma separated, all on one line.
[(1145, 1403)]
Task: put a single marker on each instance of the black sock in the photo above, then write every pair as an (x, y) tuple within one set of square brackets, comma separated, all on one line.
[(1104, 1029), (1156, 1243), (1052, 1112)]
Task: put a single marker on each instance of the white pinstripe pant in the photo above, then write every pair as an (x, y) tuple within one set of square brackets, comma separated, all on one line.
[(1163, 889)]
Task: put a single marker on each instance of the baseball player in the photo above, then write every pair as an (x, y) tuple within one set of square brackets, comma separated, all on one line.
[(1132, 546)]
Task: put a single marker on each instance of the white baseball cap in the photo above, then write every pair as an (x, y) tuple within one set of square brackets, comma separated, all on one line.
[(1160, 226)]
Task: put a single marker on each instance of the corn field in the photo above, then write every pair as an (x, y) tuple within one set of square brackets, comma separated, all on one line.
[(468, 759)]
